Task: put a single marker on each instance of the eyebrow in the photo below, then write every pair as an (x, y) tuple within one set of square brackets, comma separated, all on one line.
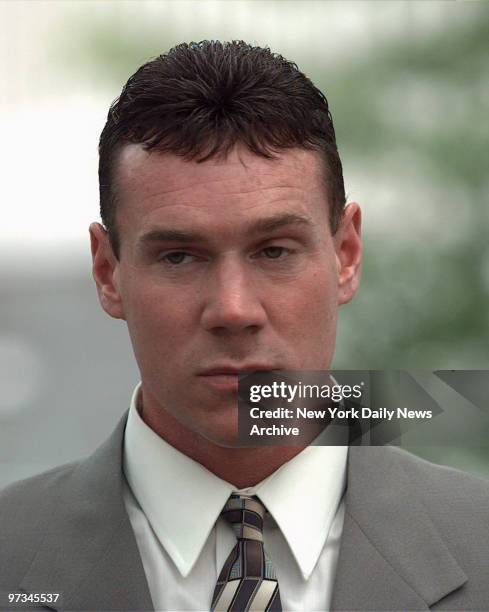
[(260, 226)]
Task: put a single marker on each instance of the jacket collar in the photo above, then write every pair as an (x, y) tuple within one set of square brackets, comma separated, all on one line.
[(392, 557), (102, 571)]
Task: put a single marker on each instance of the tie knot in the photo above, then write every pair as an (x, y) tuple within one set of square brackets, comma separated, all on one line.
[(245, 514)]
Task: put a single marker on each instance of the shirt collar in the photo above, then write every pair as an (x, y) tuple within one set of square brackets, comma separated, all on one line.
[(303, 496), (182, 500)]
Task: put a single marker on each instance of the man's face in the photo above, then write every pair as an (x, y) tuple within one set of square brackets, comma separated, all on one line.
[(225, 266)]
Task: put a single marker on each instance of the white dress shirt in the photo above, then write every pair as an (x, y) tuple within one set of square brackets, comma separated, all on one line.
[(174, 506)]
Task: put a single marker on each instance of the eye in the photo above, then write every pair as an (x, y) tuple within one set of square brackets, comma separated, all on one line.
[(274, 252), (175, 258)]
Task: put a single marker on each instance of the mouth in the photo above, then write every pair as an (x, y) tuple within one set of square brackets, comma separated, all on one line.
[(226, 377)]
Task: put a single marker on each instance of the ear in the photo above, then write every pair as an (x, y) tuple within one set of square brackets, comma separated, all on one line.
[(105, 271), (348, 249)]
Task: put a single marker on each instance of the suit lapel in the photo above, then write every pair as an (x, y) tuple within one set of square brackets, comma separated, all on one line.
[(391, 556), (91, 556)]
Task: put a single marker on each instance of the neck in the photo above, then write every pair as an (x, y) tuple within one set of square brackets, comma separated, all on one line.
[(242, 467)]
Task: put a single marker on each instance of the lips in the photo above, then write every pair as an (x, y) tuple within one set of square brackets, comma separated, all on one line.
[(221, 380), (225, 377), (229, 370)]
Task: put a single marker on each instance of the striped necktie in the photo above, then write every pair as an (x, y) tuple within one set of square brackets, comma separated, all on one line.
[(247, 581)]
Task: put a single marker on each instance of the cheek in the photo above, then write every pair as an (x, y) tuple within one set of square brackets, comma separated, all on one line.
[(156, 323), (324, 301), (311, 301), (309, 317)]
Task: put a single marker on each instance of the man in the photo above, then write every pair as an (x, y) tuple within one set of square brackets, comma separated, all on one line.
[(227, 247)]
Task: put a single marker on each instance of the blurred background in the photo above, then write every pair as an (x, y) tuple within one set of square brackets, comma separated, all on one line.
[(408, 86)]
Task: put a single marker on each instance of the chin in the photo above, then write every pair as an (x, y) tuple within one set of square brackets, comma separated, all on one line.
[(225, 436)]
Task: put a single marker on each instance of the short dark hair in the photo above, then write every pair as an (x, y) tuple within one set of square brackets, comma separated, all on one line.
[(200, 99)]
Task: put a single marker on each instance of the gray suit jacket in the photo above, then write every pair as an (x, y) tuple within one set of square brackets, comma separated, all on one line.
[(415, 537)]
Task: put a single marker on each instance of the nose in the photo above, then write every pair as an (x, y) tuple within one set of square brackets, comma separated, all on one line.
[(232, 303)]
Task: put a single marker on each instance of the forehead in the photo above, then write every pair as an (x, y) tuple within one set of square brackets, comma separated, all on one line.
[(148, 182)]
